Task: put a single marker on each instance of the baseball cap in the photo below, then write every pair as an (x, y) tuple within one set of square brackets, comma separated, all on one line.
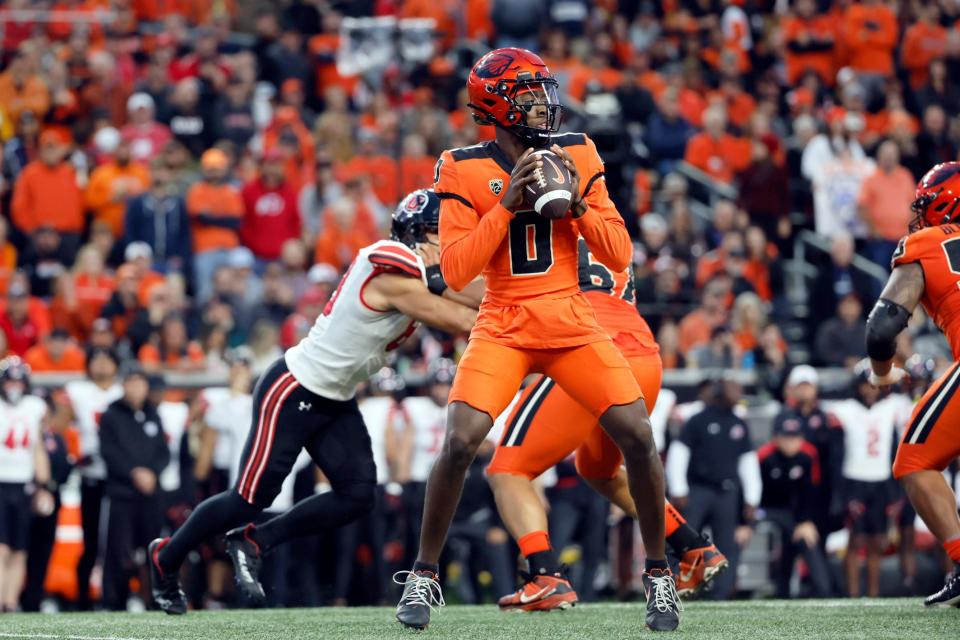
[(787, 424), (17, 290), (132, 368), (138, 249), (106, 139), (240, 258), (803, 374), (291, 85), (140, 100), (323, 273), (50, 138), (214, 159)]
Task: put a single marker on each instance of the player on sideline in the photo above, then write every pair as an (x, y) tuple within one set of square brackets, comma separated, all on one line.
[(926, 270), (533, 317), (546, 425), (306, 399)]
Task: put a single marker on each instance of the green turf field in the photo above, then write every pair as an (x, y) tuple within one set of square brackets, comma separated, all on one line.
[(868, 619)]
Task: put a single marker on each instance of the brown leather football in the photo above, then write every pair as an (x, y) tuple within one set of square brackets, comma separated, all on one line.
[(549, 194)]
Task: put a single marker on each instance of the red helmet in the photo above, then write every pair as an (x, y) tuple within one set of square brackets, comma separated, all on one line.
[(938, 197), (508, 85)]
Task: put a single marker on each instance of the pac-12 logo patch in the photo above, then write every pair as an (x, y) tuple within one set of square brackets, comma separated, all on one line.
[(496, 186)]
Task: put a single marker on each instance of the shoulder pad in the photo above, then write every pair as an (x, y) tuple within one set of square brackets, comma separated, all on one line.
[(480, 150), (394, 256), (569, 139)]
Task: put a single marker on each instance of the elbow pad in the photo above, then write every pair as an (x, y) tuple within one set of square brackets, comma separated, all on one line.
[(884, 324)]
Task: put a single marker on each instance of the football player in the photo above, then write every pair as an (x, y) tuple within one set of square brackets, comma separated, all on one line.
[(546, 425), (926, 271), (533, 317), (86, 401), (23, 462), (306, 400)]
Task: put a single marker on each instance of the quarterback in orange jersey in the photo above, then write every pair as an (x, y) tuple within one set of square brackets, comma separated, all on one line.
[(533, 317), (546, 425), (926, 271)]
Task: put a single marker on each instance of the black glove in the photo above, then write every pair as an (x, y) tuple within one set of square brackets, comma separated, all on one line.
[(435, 281)]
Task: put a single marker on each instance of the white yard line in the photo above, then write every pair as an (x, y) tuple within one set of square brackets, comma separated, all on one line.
[(61, 636)]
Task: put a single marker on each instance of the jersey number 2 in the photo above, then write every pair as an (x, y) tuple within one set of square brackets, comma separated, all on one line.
[(531, 244)]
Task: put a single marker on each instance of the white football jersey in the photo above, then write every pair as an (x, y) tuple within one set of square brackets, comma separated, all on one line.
[(429, 421), (351, 341), (173, 419), (21, 425), (223, 450), (89, 401), (380, 414), (869, 435)]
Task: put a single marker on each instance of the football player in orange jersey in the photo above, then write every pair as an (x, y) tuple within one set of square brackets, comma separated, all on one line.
[(546, 425), (926, 271), (533, 317)]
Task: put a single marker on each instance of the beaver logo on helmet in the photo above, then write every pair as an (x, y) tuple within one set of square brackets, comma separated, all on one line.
[(494, 65)]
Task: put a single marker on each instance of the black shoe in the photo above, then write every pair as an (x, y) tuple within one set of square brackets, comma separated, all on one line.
[(247, 559), (663, 603), (421, 595), (165, 587), (949, 596)]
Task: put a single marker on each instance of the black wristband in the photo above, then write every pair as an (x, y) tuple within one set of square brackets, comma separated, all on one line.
[(435, 282)]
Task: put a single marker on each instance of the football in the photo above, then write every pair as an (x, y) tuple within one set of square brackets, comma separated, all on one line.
[(549, 195)]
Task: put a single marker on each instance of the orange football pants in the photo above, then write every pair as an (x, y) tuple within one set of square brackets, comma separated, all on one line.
[(932, 437)]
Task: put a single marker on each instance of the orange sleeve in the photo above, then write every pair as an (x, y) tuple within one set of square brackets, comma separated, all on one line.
[(21, 208), (602, 226), (694, 153), (98, 191), (194, 352), (148, 354), (467, 239)]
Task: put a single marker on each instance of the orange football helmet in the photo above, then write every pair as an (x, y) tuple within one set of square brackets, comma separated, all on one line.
[(506, 86), (938, 197)]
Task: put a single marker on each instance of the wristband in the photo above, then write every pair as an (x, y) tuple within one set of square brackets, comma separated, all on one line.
[(435, 282)]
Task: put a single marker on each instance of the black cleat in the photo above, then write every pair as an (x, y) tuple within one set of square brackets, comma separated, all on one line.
[(247, 559), (949, 596), (165, 588), (421, 595), (663, 603)]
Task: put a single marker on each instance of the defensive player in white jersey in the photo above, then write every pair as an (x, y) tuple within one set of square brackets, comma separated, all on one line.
[(23, 466), (871, 419), (86, 401), (306, 399)]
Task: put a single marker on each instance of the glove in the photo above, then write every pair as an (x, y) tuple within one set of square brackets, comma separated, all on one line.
[(435, 282)]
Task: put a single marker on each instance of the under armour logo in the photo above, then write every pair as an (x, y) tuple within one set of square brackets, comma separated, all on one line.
[(305, 406)]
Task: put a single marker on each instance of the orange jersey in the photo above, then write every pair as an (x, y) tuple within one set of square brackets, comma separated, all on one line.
[(530, 263), (937, 251), (612, 294)]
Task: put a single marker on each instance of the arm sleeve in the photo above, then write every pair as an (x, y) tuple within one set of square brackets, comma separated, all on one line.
[(748, 469), (602, 226), (678, 461), (467, 239)]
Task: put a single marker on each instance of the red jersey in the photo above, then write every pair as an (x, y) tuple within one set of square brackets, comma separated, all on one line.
[(530, 263), (271, 217), (612, 294), (937, 251)]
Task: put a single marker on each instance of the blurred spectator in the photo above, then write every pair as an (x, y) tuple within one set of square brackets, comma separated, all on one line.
[(112, 184), (839, 341), (57, 352), (416, 166), (517, 22), (378, 169), (697, 327), (763, 268), (790, 472), (146, 136), (216, 210), (124, 304), (271, 216), (938, 90), (668, 133), (923, 41), (723, 483), (158, 218), (264, 343), (933, 141), (348, 226), (838, 278), (135, 452), (171, 350), (47, 193), (20, 149), (90, 287), (810, 43), (8, 255), (636, 102), (277, 300), (764, 187), (720, 353), (884, 203), (293, 95), (45, 259), (20, 327), (234, 114), (287, 133), (714, 151), (825, 147), (309, 307), (189, 119), (871, 30), (285, 59), (836, 185), (21, 90), (316, 196)]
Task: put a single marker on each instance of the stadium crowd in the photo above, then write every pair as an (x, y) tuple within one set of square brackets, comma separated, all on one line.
[(183, 183)]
